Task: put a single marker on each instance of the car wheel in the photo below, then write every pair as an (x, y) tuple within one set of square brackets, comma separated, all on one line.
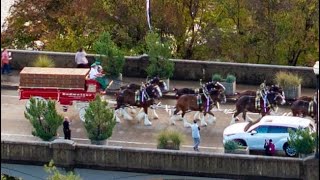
[(290, 151)]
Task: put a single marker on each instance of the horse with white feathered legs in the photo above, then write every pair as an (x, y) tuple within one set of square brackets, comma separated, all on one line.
[(201, 102), (142, 98)]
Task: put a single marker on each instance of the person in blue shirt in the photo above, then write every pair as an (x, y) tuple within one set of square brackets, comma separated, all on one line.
[(195, 135)]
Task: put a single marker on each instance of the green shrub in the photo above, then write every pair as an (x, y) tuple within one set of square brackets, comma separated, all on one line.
[(99, 120), (217, 77), (302, 140), (287, 79), (167, 136), (44, 118), (43, 61), (230, 78), (110, 56), (231, 145), (159, 53), (55, 174)]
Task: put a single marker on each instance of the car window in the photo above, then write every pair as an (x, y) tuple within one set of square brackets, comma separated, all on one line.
[(261, 129), (277, 129)]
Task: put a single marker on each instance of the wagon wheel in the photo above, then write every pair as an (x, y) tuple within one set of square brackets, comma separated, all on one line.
[(82, 112), (38, 98)]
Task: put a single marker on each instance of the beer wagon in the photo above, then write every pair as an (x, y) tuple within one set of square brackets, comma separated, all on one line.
[(67, 86)]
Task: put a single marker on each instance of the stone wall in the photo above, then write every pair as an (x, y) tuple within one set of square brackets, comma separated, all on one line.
[(251, 74), (66, 153)]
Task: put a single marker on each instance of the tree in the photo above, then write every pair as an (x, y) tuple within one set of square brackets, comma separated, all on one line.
[(111, 57), (55, 174), (302, 140), (159, 53), (99, 120), (44, 118)]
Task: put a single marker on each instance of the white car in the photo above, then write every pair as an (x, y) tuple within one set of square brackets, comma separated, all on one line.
[(276, 128)]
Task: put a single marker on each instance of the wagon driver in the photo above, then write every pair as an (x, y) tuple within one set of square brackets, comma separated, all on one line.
[(96, 75)]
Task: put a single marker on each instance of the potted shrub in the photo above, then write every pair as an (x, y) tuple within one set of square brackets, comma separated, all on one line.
[(234, 148), (159, 53), (111, 58), (44, 118), (229, 83), (303, 141), (291, 84), (99, 121), (169, 139)]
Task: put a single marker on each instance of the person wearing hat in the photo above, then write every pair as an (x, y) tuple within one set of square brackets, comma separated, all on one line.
[(96, 75)]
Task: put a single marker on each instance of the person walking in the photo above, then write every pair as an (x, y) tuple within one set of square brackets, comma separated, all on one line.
[(66, 128), (5, 61), (80, 58), (195, 135)]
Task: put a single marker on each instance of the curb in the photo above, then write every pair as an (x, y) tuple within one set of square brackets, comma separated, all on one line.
[(10, 87)]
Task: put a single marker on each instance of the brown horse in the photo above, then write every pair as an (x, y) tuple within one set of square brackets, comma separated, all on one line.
[(143, 98), (248, 103), (202, 102), (304, 108), (272, 88)]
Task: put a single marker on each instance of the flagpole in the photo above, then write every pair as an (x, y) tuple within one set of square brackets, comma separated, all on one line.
[(148, 13)]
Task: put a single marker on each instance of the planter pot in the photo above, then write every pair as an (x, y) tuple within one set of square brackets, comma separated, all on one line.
[(99, 142), (237, 151), (305, 155), (293, 92), (117, 82), (230, 88), (170, 145)]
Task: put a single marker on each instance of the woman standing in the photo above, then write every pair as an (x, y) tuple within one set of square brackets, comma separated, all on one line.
[(5, 61), (80, 58)]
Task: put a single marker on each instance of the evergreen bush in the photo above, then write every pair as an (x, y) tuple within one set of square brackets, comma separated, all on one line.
[(99, 120), (159, 54), (231, 145), (110, 56), (230, 78), (44, 118), (217, 77), (43, 61), (302, 140)]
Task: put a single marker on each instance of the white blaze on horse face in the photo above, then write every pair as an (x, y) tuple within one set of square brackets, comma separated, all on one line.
[(224, 88), (165, 86), (159, 91)]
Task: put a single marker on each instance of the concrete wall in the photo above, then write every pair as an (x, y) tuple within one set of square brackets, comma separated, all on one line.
[(66, 153), (252, 74)]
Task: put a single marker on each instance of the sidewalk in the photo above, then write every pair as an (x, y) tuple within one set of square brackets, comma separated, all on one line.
[(12, 82)]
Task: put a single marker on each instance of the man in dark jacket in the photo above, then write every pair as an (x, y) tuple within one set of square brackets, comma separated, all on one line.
[(66, 128)]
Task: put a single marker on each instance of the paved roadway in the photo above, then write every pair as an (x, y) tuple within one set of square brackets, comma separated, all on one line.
[(126, 133)]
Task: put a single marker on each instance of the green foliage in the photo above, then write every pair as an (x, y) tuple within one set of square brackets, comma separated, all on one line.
[(302, 140), (217, 77), (99, 120), (111, 57), (231, 145), (55, 174), (230, 78), (7, 177), (287, 79), (43, 61), (159, 54), (166, 136), (44, 118)]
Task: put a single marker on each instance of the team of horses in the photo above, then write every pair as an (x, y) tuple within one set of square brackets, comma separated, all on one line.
[(203, 99)]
